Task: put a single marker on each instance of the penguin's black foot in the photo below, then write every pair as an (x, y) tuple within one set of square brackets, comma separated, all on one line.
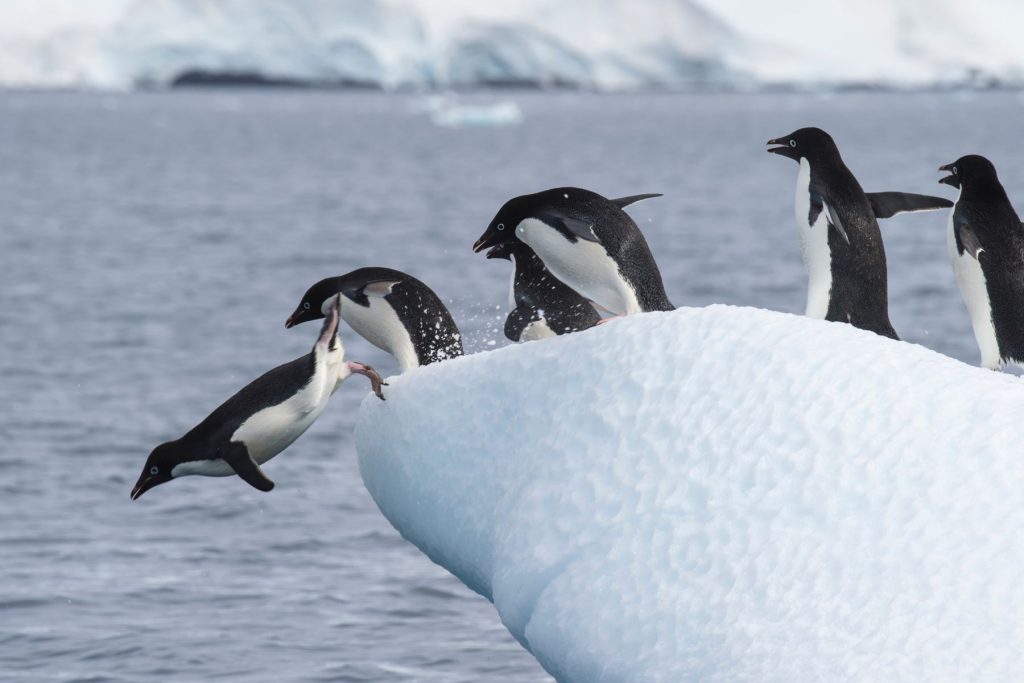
[(376, 382)]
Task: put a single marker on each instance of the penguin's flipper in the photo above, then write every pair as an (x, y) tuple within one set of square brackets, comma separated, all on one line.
[(380, 288), (329, 331), (237, 455), (967, 240), (570, 226), (834, 222), (518, 320), (888, 204), (623, 202), (816, 205)]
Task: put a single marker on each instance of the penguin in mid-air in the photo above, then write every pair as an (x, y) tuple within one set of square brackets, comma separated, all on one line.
[(259, 421), (986, 246), (542, 306), (588, 242), (390, 309), (839, 236)]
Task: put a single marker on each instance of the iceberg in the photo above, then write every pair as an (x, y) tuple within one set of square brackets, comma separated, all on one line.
[(596, 44), (719, 494)]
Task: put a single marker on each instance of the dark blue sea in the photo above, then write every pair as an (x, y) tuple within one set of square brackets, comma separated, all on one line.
[(152, 245)]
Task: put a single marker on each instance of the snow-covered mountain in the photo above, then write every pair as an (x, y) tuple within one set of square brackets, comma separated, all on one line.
[(603, 44)]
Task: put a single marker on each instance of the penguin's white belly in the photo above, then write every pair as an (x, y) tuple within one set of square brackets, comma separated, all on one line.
[(971, 279), (585, 266), (538, 329), (813, 247), (379, 324), (273, 429), (269, 431)]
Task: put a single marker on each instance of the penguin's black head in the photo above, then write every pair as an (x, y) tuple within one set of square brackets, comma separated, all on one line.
[(157, 469), (502, 229), (972, 168), (806, 143), (562, 208), (356, 286), (311, 305)]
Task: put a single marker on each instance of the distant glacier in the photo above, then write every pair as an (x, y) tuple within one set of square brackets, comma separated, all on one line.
[(590, 44)]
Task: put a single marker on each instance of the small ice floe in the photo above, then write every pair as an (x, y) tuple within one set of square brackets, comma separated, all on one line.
[(449, 112)]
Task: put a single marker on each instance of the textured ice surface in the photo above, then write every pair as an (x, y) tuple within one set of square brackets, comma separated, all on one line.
[(594, 43), (720, 494)]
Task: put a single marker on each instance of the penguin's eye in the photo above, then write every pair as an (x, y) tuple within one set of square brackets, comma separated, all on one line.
[(501, 226), (154, 470), (305, 305), (954, 170), (792, 143)]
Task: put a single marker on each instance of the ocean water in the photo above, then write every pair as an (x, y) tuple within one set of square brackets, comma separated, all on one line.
[(152, 245)]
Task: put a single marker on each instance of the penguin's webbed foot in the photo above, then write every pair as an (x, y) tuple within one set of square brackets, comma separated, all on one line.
[(376, 381)]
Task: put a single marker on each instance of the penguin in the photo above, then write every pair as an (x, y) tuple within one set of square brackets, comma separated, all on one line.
[(839, 236), (588, 242), (985, 239), (261, 420), (542, 306), (390, 309)]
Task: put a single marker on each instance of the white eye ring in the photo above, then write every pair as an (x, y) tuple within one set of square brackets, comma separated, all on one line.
[(154, 470), (792, 143), (305, 305), (501, 226), (954, 170)]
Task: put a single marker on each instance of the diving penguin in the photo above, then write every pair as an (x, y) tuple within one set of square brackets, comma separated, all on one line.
[(261, 420)]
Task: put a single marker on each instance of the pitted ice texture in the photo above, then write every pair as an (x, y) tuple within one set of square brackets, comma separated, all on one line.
[(720, 494)]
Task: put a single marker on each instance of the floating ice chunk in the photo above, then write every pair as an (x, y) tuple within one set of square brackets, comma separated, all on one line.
[(452, 114), (720, 494)]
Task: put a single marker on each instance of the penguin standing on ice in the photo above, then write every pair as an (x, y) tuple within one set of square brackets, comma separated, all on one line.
[(261, 420), (390, 309), (839, 236), (986, 246), (586, 241), (542, 306)]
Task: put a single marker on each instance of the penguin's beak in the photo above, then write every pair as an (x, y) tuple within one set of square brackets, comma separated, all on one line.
[(483, 242), (494, 235), (145, 483), (952, 180), (299, 316), (783, 149), (498, 251)]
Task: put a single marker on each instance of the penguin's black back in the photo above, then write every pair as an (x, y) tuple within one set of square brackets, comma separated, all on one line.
[(270, 389), (432, 330), (860, 287)]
